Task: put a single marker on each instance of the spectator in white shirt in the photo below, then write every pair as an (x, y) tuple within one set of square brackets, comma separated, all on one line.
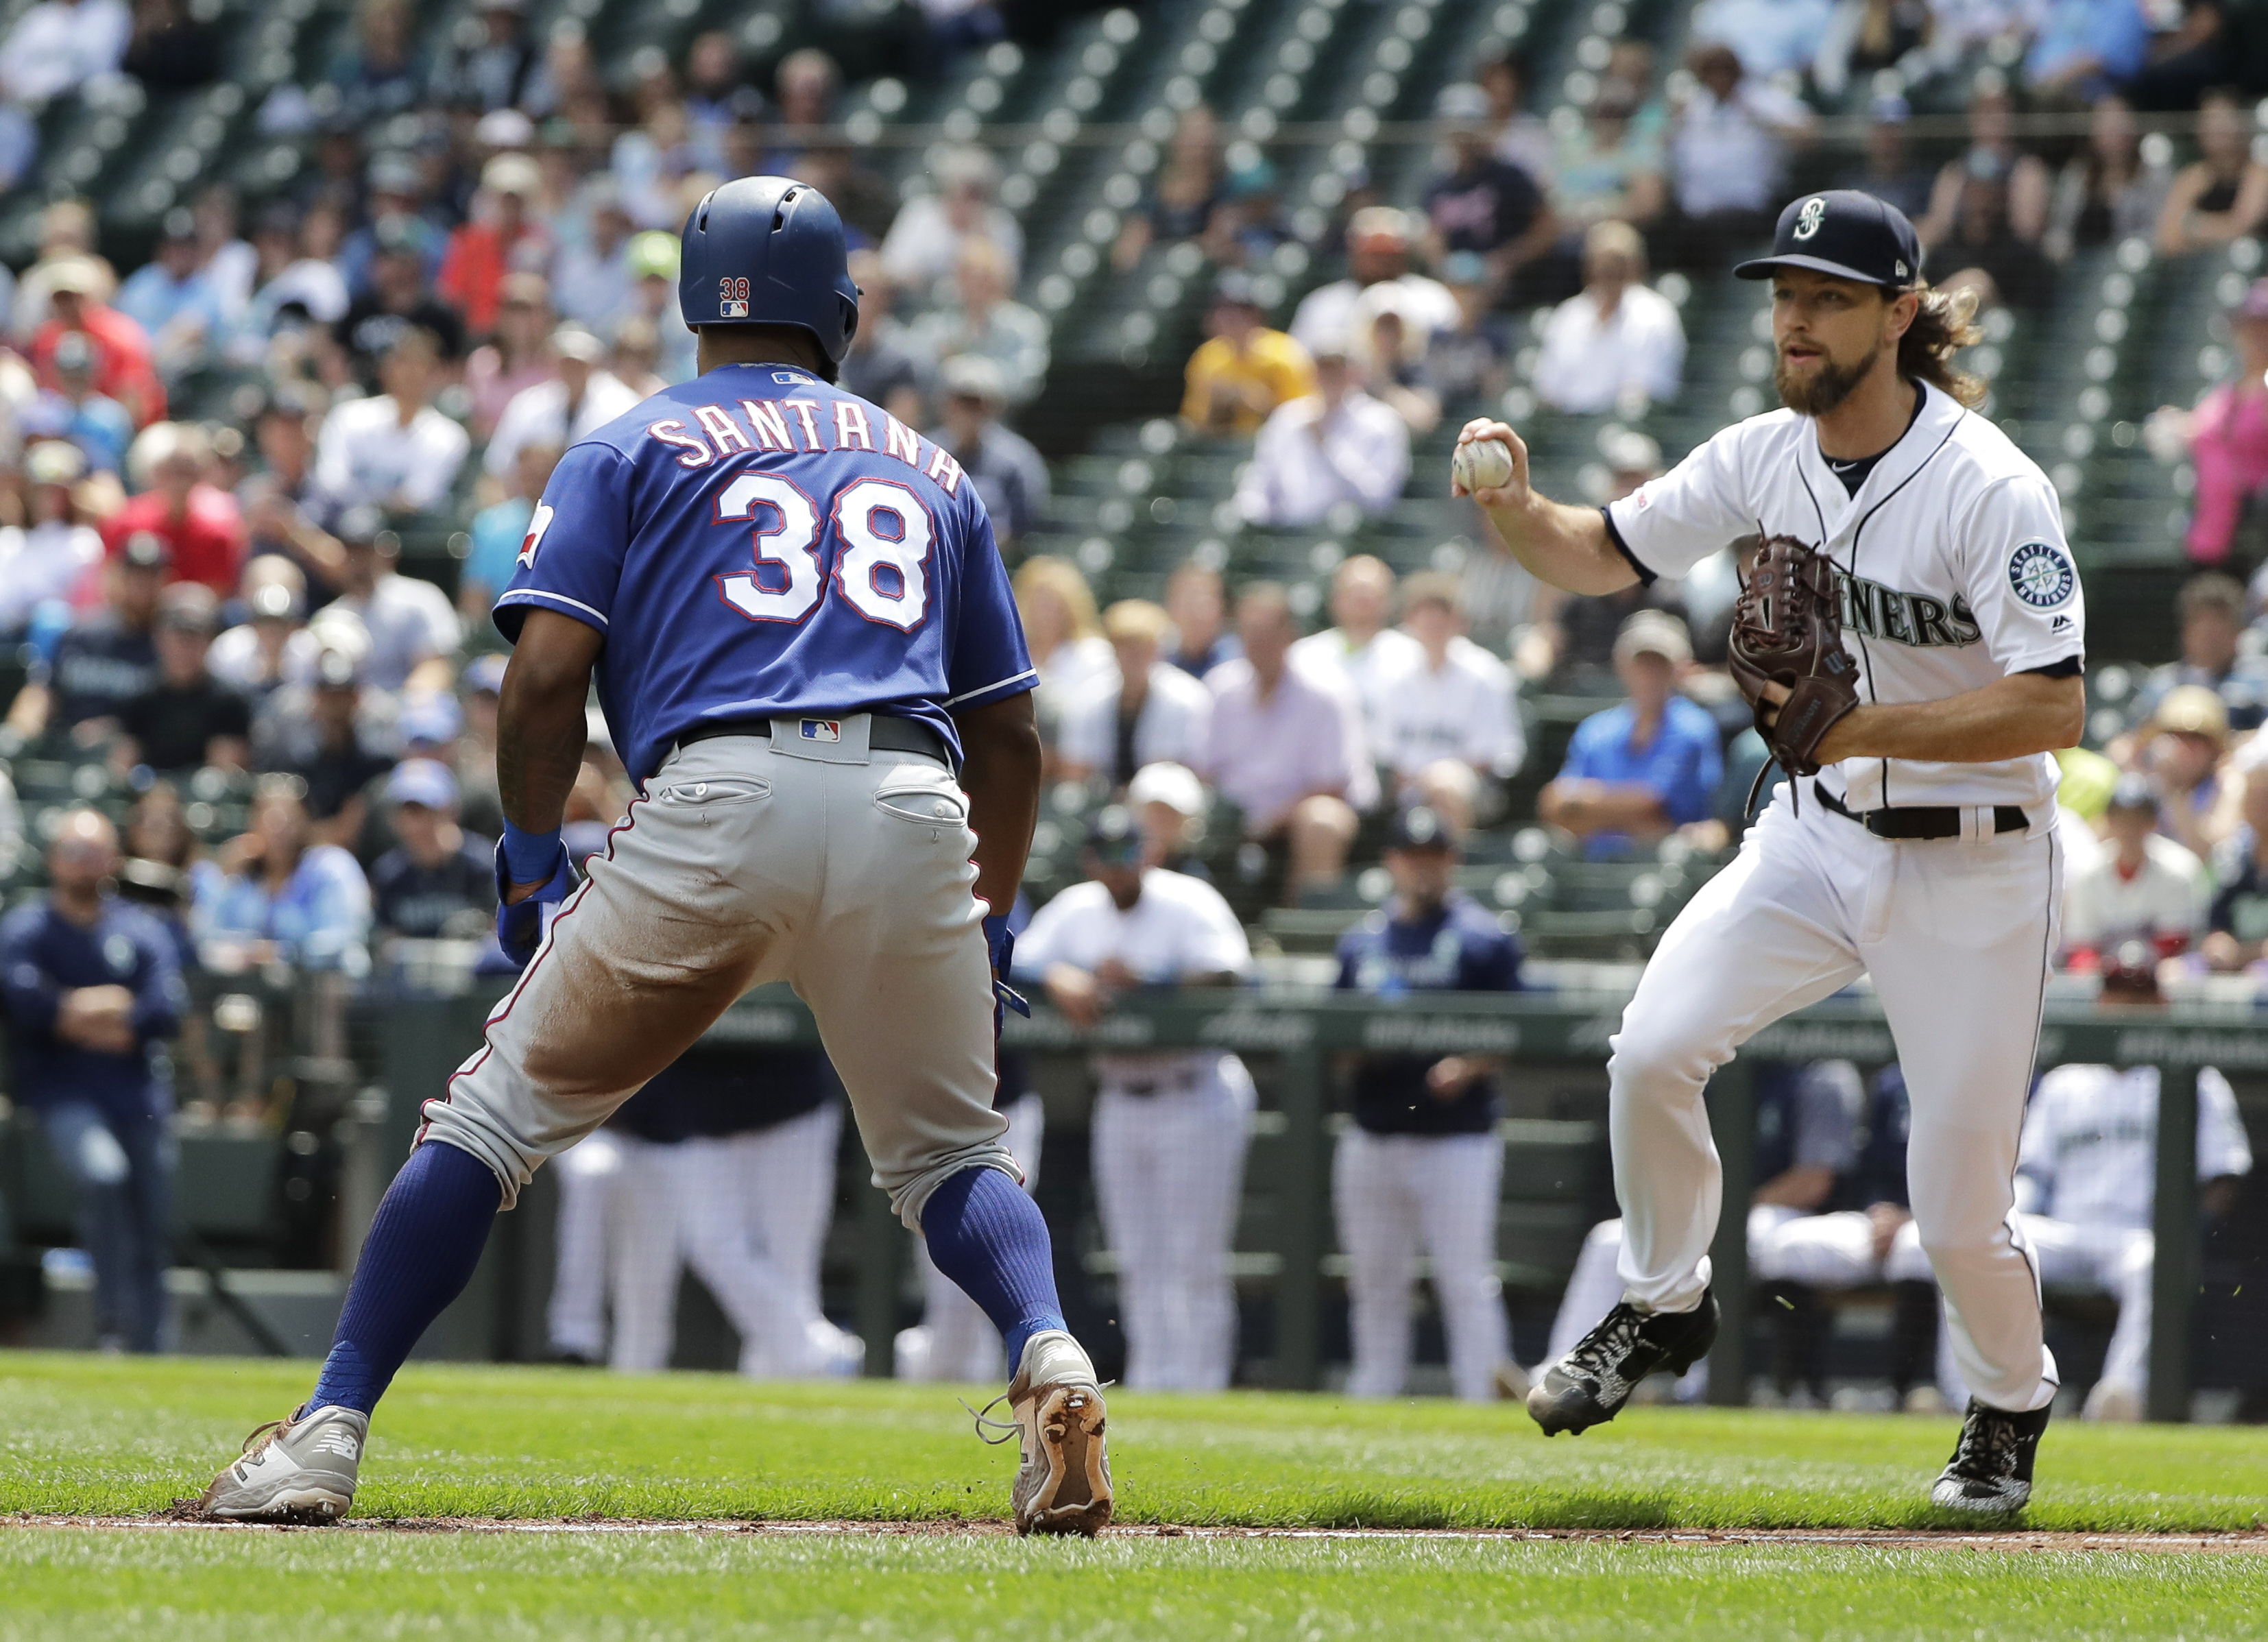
[(413, 629), (2145, 888), (49, 558), (1378, 251), (1062, 632), (1287, 750), (394, 451), (1336, 445), (577, 402), (59, 44), (1445, 723), (1616, 344), (1359, 651), (1146, 711), (929, 233), (1728, 147)]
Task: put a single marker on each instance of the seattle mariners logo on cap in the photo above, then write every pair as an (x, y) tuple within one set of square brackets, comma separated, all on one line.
[(2041, 575), (1813, 213)]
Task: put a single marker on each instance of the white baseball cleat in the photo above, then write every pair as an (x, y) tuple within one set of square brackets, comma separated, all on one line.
[(300, 1469), (1064, 1484)]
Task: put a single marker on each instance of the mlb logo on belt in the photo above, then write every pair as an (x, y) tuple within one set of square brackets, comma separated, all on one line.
[(823, 729)]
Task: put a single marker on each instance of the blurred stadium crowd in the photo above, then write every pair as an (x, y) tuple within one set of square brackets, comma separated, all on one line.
[(301, 305)]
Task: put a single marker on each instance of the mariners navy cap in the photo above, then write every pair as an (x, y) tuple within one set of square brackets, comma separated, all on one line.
[(425, 780), (1420, 827), (1845, 233), (1115, 836)]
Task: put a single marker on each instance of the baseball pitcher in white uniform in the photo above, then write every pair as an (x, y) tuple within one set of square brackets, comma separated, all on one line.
[(1915, 840)]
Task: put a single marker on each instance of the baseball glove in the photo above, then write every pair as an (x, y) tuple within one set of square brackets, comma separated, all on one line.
[(1788, 630)]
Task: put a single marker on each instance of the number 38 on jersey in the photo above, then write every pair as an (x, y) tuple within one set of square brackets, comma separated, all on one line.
[(879, 537)]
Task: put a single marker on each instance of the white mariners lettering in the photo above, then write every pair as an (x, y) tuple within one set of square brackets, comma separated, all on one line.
[(717, 422), (945, 471), (764, 417), (850, 429), (697, 453), (538, 523), (785, 583), (883, 569), (900, 441), (806, 412)]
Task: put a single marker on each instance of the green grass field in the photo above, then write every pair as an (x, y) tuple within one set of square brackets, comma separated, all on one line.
[(111, 1437)]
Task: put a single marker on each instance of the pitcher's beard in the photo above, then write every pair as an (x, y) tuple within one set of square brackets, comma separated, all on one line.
[(1825, 388)]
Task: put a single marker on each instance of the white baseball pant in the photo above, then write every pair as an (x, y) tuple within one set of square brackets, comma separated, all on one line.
[(575, 1320), (748, 1214), (1393, 1194), (1168, 1169), (750, 860), (1956, 934), (2113, 1260), (955, 1340)]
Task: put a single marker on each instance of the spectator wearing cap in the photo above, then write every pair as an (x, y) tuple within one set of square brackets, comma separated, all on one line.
[(282, 509), (1641, 769), (199, 523), (1145, 712), (1481, 203), (1336, 445), (500, 530), (334, 736), (983, 320), (104, 661), (2144, 886), (1198, 606), (501, 236), (1888, 172), (398, 302), (2226, 440), (581, 397), (1171, 1127), (1445, 723), (58, 46), (1170, 803), (279, 894), (91, 991), (395, 191), (1362, 650), (1244, 369), (393, 451), (518, 357), (66, 243), (490, 70), (1616, 344), (932, 231), (187, 719), (45, 562), (414, 632), (439, 880), (272, 646), (1729, 142), (1009, 475), (123, 367), (1378, 249), (2183, 747), (1286, 750), (1421, 1165), (74, 409), (888, 363), (2210, 611), (1249, 223)]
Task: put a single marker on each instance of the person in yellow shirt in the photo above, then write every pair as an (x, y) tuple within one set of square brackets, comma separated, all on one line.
[(1245, 370)]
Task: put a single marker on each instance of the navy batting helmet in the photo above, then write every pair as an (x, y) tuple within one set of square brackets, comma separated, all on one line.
[(770, 251)]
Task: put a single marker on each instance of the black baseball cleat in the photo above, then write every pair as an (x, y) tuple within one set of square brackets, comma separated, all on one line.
[(1589, 1385), (1992, 1465)]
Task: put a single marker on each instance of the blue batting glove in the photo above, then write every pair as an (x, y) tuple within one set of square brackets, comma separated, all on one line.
[(520, 926), (1000, 944)]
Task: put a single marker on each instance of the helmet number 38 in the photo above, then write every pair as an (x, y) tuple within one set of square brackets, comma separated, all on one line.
[(881, 568)]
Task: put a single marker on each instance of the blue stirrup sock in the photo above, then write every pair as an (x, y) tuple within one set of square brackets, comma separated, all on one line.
[(423, 1243), (989, 1237)]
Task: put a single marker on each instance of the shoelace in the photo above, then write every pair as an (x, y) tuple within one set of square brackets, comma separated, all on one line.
[(1009, 1429), (1986, 1445), (1605, 1345)]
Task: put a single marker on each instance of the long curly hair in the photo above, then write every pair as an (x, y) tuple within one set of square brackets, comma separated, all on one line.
[(1945, 324)]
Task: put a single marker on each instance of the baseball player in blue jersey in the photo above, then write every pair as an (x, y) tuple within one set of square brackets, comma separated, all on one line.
[(802, 635)]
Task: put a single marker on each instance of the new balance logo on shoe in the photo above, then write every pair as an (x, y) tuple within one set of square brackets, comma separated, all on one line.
[(338, 1440)]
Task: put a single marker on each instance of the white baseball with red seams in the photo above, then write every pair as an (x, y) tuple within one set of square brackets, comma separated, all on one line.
[(1955, 574), (1482, 464)]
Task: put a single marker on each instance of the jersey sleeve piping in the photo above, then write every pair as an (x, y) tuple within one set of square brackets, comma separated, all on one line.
[(1028, 678), (1647, 578), (574, 606)]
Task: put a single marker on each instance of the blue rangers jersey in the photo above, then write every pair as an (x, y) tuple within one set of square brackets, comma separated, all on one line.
[(755, 543)]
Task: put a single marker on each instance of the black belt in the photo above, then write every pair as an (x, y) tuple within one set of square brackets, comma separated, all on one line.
[(1919, 822), (885, 733)]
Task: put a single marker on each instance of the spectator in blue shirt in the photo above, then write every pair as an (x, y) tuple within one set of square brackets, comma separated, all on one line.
[(1638, 771), (275, 895), (1421, 1165), (171, 297), (2086, 47), (438, 881), (91, 988), (499, 532), (96, 423)]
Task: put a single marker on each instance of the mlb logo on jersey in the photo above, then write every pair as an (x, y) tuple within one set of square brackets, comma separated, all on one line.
[(822, 729)]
